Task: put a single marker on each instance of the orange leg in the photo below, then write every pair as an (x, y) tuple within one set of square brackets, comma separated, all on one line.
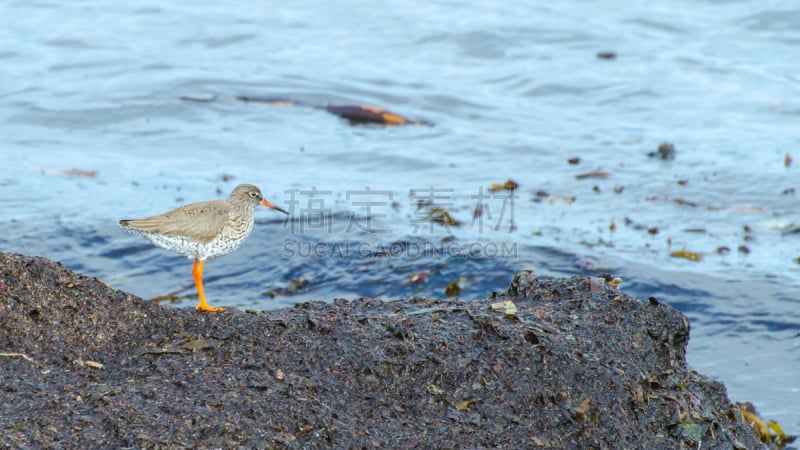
[(197, 273)]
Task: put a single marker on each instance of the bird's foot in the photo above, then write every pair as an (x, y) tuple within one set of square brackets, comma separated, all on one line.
[(205, 307)]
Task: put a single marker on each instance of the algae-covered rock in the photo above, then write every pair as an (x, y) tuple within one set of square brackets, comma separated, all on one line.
[(570, 366)]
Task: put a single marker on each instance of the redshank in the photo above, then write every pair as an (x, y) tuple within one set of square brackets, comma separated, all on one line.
[(204, 230)]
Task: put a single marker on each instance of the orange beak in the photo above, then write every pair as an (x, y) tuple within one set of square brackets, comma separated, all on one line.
[(271, 206)]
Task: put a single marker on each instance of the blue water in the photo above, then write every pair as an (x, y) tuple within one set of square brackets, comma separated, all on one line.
[(513, 90)]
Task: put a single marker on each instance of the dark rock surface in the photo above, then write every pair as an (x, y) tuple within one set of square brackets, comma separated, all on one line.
[(579, 365)]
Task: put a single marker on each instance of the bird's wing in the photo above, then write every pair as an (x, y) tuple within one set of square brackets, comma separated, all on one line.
[(198, 221)]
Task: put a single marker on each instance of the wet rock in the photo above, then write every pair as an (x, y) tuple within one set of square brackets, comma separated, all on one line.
[(522, 284), (84, 365)]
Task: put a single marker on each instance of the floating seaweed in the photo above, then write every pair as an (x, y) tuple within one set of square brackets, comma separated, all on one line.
[(452, 289), (357, 114), (442, 216), (593, 174), (72, 172), (509, 185), (419, 277), (666, 151), (685, 254), (770, 432)]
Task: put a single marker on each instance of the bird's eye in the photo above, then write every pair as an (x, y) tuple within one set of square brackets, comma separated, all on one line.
[(253, 194)]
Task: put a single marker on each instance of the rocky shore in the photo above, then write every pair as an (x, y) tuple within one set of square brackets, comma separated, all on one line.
[(551, 363)]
